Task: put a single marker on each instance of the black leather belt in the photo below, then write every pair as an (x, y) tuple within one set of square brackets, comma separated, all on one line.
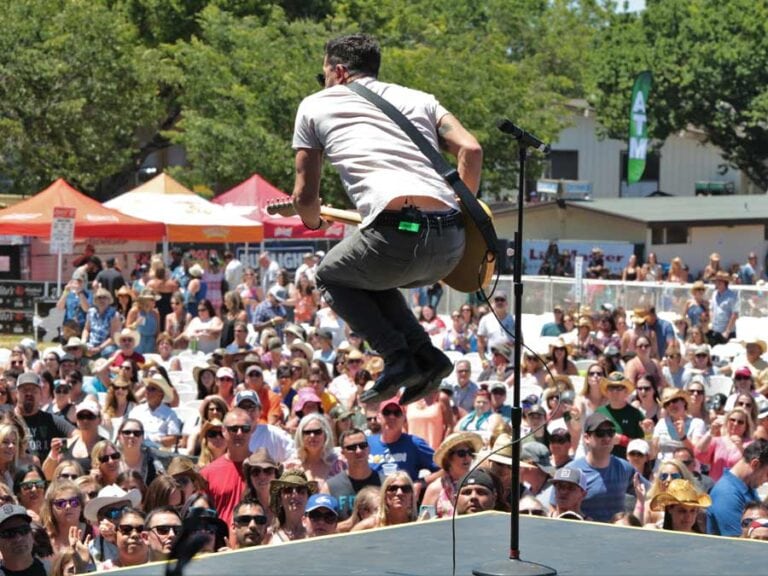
[(396, 219)]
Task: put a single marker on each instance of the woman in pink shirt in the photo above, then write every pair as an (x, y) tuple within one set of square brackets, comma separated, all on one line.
[(723, 445)]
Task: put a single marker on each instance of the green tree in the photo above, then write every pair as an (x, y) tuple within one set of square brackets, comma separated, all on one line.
[(244, 77), (75, 87), (710, 70)]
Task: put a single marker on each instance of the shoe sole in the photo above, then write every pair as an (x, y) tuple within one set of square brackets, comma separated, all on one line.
[(429, 385), (379, 396)]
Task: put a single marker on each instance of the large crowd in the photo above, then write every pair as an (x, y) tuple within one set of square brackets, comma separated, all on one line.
[(224, 401)]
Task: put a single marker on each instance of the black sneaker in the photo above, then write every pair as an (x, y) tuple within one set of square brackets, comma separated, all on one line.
[(435, 366), (402, 372)]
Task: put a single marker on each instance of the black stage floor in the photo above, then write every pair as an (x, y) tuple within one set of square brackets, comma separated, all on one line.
[(424, 548)]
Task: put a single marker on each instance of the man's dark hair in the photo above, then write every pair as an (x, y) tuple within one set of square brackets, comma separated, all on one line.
[(161, 510), (758, 449), (347, 433), (358, 52), (247, 500)]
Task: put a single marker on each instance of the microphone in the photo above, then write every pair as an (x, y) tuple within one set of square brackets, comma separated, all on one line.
[(508, 127)]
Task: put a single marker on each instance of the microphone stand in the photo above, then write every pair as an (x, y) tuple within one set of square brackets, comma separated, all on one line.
[(514, 566)]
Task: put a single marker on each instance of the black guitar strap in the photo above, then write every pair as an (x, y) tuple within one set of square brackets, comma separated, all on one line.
[(470, 203)]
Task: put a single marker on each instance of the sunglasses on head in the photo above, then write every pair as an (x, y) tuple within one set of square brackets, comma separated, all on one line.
[(246, 519), (104, 458)]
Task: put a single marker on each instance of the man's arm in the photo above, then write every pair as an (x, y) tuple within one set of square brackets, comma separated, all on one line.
[(457, 140), (306, 188)]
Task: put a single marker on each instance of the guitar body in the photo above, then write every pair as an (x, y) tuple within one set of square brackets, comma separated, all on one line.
[(473, 272)]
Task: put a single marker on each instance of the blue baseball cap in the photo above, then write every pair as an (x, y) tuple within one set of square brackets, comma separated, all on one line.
[(322, 501)]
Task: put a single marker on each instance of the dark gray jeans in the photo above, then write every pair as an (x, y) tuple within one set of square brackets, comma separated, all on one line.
[(360, 279)]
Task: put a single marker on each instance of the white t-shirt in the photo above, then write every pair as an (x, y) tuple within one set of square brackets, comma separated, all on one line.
[(376, 160), (278, 443), (162, 421)]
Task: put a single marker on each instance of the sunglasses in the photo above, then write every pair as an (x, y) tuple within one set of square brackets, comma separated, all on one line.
[(239, 428), (111, 513), (62, 503), (295, 490), (643, 388), (463, 453), (703, 356), (533, 512), (744, 404), (211, 434), (313, 432), (246, 519), (593, 374), (737, 421), (104, 458), (559, 440), (68, 476), (604, 433), (687, 462), (404, 488), (616, 388), (395, 413), (11, 533), (268, 471), (134, 433), (670, 476), (695, 391), (128, 529), (62, 390), (356, 447), (320, 516), (166, 529), (643, 345), (87, 416), (30, 484)]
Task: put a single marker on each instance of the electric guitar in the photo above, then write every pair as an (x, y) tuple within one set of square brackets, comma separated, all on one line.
[(473, 272)]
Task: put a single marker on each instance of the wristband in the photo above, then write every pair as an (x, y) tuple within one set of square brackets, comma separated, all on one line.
[(308, 227)]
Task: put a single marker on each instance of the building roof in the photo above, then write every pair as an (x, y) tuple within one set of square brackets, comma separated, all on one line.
[(701, 210)]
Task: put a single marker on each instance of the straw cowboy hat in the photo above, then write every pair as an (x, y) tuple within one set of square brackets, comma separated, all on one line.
[(502, 450), (127, 333), (639, 315), (454, 440), (680, 491), (161, 383), (295, 477), (698, 285), (196, 271), (197, 371), (560, 343), (755, 340), (109, 495), (148, 294), (124, 290), (616, 379), (671, 394), (723, 276)]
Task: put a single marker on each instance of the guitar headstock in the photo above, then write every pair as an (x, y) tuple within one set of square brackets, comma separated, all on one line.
[(281, 208)]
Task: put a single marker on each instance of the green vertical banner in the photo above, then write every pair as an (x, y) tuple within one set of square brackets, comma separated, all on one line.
[(638, 127)]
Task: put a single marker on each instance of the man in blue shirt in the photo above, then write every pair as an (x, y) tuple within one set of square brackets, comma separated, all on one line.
[(394, 450), (608, 477), (737, 488), (664, 331)]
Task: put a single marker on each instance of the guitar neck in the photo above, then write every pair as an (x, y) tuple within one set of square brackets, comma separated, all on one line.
[(339, 215)]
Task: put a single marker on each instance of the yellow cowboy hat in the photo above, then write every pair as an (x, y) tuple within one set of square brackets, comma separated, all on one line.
[(680, 491)]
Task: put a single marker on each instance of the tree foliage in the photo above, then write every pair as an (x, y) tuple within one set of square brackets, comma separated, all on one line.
[(74, 88), (89, 89), (710, 70)]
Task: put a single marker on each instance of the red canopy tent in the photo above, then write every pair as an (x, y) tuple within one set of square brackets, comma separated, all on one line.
[(33, 217), (253, 195)]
